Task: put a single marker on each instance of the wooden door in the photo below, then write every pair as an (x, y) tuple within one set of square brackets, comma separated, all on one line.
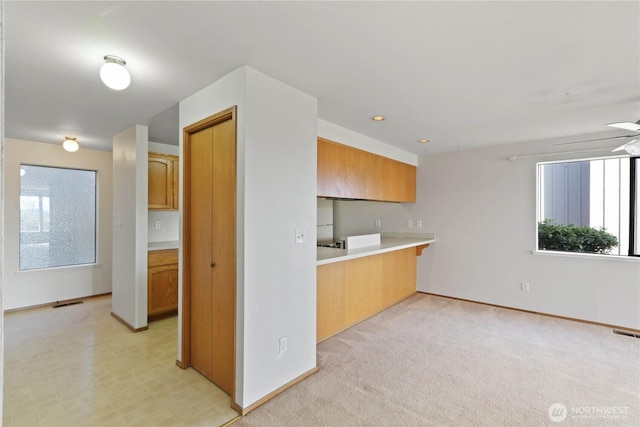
[(210, 261)]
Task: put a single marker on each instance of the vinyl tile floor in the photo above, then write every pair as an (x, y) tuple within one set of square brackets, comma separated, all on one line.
[(79, 366)]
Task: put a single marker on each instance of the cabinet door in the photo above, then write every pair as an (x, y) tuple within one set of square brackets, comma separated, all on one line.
[(399, 184), (333, 172), (162, 296), (160, 182), (350, 173)]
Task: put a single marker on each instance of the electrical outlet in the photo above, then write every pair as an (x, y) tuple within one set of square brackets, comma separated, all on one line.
[(378, 223), (524, 286), (419, 223), (282, 345), (299, 235), (409, 224), (157, 225)]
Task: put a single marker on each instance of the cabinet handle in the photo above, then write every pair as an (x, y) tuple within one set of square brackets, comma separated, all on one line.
[(213, 265)]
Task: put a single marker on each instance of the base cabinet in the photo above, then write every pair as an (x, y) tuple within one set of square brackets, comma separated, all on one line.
[(162, 283), (351, 291)]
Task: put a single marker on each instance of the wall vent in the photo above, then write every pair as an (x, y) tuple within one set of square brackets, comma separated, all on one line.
[(626, 333), (64, 304)]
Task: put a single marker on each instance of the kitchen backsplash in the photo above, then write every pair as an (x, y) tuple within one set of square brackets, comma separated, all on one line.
[(169, 226), (355, 217)]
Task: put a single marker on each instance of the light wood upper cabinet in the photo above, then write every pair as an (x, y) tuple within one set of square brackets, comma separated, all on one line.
[(163, 181), (347, 172)]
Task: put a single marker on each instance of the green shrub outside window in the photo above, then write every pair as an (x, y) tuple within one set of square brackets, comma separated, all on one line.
[(573, 238)]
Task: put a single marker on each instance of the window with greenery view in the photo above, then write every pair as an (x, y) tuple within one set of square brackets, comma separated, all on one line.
[(57, 217), (587, 206)]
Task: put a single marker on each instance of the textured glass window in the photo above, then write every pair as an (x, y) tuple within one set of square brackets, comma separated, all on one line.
[(57, 217)]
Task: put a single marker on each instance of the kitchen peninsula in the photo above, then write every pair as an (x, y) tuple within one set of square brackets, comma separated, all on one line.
[(389, 242), (354, 284)]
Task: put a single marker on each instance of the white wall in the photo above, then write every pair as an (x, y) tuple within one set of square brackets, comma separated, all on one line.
[(157, 147), (483, 208), (28, 288), (346, 136), (277, 128), (280, 197), (130, 180)]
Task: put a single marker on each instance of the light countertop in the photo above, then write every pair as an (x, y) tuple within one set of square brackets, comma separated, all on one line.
[(158, 246), (389, 242)]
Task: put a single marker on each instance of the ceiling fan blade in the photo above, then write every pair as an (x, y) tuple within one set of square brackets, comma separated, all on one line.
[(626, 125), (597, 139), (623, 146)]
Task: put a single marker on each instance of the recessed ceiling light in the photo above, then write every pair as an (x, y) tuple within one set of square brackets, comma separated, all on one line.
[(70, 144), (423, 140), (377, 118)]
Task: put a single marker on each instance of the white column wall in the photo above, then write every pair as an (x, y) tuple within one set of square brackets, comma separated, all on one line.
[(43, 286), (130, 201), (224, 93), (280, 197), (276, 194)]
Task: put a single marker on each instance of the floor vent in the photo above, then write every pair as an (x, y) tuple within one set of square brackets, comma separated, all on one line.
[(627, 334), (64, 304)]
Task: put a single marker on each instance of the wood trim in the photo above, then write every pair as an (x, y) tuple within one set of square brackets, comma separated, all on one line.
[(160, 316), (245, 411), (51, 304), (420, 248), (222, 116), (572, 319), (131, 328)]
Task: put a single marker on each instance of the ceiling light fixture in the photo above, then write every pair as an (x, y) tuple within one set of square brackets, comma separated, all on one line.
[(632, 147), (626, 125), (423, 140), (70, 144), (377, 118), (113, 73)]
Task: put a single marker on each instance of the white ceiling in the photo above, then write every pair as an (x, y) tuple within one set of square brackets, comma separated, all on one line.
[(463, 74)]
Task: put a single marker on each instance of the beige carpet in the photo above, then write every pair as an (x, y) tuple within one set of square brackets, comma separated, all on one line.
[(436, 361)]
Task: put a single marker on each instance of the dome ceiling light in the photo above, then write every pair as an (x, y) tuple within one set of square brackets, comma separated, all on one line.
[(114, 74), (377, 118), (70, 144)]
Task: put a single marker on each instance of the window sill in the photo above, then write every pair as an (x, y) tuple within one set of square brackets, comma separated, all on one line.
[(64, 267), (599, 257)]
